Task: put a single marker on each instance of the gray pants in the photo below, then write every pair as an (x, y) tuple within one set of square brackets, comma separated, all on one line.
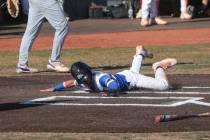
[(149, 9), (38, 11)]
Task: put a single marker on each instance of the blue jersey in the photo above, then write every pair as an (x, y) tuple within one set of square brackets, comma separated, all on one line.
[(108, 82)]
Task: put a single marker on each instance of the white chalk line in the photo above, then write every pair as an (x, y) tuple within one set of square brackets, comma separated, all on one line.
[(58, 101), (161, 92), (201, 103), (195, 87), (152, 92), (168, 92), (99, 97)]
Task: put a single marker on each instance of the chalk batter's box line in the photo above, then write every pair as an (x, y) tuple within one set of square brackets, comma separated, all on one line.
[(46, 100), (151, 92), (162, 92)]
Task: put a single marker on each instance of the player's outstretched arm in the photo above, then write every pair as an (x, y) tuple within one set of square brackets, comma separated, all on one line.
[(47, 90), (60, 86)]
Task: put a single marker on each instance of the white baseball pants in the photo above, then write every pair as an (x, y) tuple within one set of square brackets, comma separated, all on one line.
[(159, 82)]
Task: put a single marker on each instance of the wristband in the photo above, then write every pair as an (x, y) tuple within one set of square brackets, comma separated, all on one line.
[(59, 87)]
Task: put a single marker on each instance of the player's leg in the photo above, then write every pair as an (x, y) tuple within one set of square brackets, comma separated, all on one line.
[(160, 82), (154, 18), (204, 7), (145, 12), (35, 20), (183, 9), (61, 3), (56, 17), (141, 53), (139, 13), (147, 82), (153, 9)]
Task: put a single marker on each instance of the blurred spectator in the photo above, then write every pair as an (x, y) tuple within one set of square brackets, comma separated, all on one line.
[(199, 9), (150, 13), (206, 6), (2, 10), (1, 13), (194, 10), (25, 7), (138, 14), (184, 14)]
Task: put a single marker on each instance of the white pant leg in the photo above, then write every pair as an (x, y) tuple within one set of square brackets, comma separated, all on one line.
[(56, 17), (146, 5), (35, 20), (183, 4), (160, 81), (136, 64), (153, 9), (133, 71), (61, 3)]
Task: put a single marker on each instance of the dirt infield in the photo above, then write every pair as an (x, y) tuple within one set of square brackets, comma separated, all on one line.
[(67, 114), (114, 33)]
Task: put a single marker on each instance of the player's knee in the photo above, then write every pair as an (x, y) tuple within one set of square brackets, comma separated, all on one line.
[(164, 85), (66, 30), (63, 28)]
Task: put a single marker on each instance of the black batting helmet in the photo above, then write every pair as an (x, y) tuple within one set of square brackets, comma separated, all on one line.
[(82, 73)]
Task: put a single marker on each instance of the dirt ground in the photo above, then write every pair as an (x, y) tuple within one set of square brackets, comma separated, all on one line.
[(62, 116)]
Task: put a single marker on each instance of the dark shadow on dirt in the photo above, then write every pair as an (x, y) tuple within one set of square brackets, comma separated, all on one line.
[(111, 67), (15, 106), (128, 66), (184, 63), (118, 67), (174, 86), (196, 20), (13, 33), (9, 27)]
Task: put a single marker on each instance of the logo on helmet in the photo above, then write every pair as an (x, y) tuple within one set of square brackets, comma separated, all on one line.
[(82, 73), (80, 76)]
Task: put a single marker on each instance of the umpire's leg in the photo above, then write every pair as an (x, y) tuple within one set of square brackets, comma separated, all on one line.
[(35, 20), (56, 17)]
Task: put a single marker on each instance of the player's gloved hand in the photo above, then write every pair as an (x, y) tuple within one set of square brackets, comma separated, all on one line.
[(107, 94), (13, 8)]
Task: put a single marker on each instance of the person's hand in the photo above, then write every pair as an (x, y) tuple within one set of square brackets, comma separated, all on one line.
[(107, 94), (13, 7), (47, 90), (103, 94)]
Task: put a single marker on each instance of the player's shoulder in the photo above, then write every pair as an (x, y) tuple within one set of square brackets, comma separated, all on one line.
[(99, 73)]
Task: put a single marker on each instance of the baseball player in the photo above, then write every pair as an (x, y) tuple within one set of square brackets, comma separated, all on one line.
[(150, 13), (98, 81), (39, 10)]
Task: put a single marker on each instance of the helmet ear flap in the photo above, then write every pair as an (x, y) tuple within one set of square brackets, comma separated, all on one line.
[(82, 73)]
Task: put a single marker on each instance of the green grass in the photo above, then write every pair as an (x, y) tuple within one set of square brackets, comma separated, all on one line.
[(193, 59)]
